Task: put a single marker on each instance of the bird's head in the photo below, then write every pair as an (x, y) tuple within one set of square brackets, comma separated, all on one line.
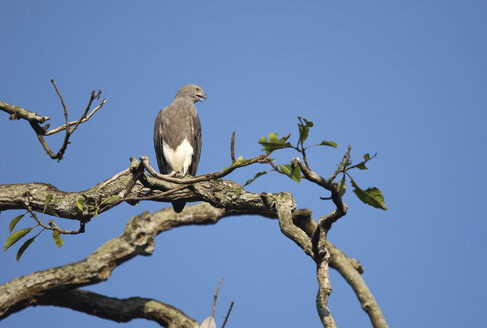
[(192, 91)]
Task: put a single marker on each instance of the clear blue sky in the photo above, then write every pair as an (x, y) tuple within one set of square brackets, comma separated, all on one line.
[(406, 79)]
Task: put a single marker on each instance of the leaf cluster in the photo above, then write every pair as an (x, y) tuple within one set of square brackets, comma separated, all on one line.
[(15, 236), (371, 196)]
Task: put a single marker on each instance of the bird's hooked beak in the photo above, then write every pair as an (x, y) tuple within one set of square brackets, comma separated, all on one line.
[(201, 96)]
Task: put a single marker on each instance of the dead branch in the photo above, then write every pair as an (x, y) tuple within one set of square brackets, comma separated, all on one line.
[(35, 120), (215, 296), (228, 314), (17, 112)]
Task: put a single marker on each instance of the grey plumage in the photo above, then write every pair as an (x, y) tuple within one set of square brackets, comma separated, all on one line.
[(177, 135)]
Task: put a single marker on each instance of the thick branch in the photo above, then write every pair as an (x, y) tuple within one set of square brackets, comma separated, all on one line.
[(324, 290), (120, 310), (137, 239), (348, 267), (285, 205), (131, 186), (348, 271), (341, 207)]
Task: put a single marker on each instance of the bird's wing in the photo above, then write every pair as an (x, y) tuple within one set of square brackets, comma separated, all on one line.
[(159, 128), (195, 141)]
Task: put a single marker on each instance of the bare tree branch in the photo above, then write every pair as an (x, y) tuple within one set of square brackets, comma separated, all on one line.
[(348, 267), (215, 296), (345, 159), (232, 148), (17, 112), (284, 211), (120, 310), (345, 267), (228, 314)]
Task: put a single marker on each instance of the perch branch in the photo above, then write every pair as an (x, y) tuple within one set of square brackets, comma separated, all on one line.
[(201, 178)]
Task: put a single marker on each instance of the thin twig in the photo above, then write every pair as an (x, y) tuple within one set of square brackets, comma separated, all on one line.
[(303, 151), (214, 298), (232, 147), (62, 100), (93, 97), (63, 127), (54, 226), (345, 159), (115, 177), (201, 178), (228, 314)]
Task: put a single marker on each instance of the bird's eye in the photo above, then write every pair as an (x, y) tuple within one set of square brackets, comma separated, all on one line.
[(196, 89)]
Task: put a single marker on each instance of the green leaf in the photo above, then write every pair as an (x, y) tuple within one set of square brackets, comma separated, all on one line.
[(56, 235), (328, 143), (80, 203), (110, 199), (47, 201), (274, 143), (303, 127), (24, 247), (259, 174), (292, 172), (14, 222), (367, 157), (240, 160), (341, 188), (371, 196), (361, 166), (50, 211), (14, 237)]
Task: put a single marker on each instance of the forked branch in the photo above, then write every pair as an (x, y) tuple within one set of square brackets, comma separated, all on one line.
[(35, 120)]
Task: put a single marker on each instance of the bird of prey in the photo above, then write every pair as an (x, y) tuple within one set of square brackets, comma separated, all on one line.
[(177, 136)]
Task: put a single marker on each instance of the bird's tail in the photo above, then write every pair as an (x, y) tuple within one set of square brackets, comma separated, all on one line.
[(178, 206)]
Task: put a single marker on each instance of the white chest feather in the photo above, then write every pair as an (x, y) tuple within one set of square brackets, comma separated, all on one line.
[(180, 159)]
